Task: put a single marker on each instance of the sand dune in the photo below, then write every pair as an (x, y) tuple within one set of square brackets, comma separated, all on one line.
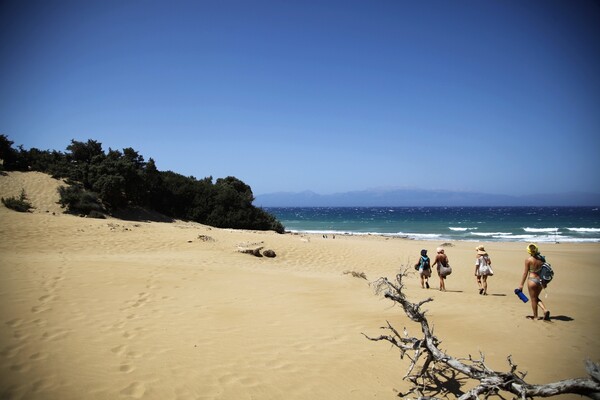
[(107, 309)]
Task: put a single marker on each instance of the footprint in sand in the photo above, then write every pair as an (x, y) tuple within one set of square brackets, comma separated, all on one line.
[(46, 298), (56, 335), (40, 322), (20, 335), (55, 281), (119, 350), (142, 298), (43, 385), (11, 350), (118, 325), (14, 323), (129, 335), (39, 309), (134, 354), (126, 368), (135, 390), (38, 356), (20, 367)]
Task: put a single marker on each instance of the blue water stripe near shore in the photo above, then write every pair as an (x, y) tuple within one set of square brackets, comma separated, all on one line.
[(527, 224)]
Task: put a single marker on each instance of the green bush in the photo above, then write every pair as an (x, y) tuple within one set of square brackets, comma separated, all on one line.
[(77, 200), (19, 204)]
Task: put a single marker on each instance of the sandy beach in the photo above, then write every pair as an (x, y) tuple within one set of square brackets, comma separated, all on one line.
[(111, 309)]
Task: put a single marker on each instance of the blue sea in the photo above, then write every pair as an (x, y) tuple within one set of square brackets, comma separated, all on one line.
[(525, 224)]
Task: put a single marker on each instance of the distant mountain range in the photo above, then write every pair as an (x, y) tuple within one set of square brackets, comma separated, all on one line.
[(421, 198)]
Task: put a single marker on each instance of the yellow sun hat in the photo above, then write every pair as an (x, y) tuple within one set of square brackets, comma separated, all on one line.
[(532, 249)]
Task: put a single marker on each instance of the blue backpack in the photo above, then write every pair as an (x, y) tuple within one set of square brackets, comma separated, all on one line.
[(424, 263)]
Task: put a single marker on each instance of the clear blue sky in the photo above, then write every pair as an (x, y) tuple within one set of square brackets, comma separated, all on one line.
[(329, 96)]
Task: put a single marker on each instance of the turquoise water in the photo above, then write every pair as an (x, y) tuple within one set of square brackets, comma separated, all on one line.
[(527, 224)]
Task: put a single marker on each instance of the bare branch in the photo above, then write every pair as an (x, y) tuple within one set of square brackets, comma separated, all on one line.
[(427, 352)]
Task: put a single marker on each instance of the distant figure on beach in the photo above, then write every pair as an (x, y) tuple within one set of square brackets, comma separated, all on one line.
[(442, 266), (424, 268), (483, 269), (533, 265)]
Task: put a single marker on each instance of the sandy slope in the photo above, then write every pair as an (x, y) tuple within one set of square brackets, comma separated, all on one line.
[(107, 309)]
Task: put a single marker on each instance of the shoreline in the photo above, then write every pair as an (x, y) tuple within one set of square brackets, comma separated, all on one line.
[(423, 237)]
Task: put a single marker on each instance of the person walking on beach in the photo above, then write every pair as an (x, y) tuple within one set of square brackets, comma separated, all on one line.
[(483, 269), (424, 268), (533, 266), (442, 266)]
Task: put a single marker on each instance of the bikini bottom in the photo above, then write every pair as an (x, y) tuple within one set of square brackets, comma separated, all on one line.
[(537, 281)]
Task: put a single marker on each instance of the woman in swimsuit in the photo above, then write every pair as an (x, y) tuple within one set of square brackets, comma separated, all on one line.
[(483, 269), (424, 273), (441, 259), (532, 268)]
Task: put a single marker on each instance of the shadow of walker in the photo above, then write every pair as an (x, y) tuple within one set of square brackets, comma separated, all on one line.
[(563, 318)]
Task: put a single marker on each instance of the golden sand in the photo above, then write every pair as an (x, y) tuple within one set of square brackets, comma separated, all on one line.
[(111, 309)]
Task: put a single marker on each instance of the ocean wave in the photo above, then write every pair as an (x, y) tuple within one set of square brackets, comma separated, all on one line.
[(536, 230), (421, 236), (453, 228), (584, 230), (474, 236), (544, 239), (491, 234)]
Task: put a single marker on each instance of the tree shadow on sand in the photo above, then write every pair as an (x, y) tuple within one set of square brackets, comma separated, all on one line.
[(442, 383), (139, 214)]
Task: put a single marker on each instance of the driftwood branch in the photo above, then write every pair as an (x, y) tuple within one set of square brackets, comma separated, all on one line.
[(429, 365)]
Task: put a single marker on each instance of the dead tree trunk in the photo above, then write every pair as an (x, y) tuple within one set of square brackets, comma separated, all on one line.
[(434, 363)]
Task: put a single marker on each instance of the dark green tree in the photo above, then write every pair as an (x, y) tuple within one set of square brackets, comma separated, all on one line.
[(122, 179), (11, 158)]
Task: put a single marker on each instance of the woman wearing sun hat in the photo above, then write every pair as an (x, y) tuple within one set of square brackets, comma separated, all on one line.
[(442, 266), (533, 265), (483, 269)]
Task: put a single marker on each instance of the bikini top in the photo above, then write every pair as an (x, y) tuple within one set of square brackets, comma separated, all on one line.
[(535, 270), (542, 259)]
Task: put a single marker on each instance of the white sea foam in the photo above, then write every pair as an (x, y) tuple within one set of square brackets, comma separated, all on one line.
[(535, 230), (421, 236), (457, 229), (549, 237), (491, 234), (584, 230)]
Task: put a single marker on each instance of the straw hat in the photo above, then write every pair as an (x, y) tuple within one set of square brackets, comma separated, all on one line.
[(481, 250)]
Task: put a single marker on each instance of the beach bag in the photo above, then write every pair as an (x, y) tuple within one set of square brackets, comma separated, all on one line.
[(445, 270), (546, 274), (485, 268)]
